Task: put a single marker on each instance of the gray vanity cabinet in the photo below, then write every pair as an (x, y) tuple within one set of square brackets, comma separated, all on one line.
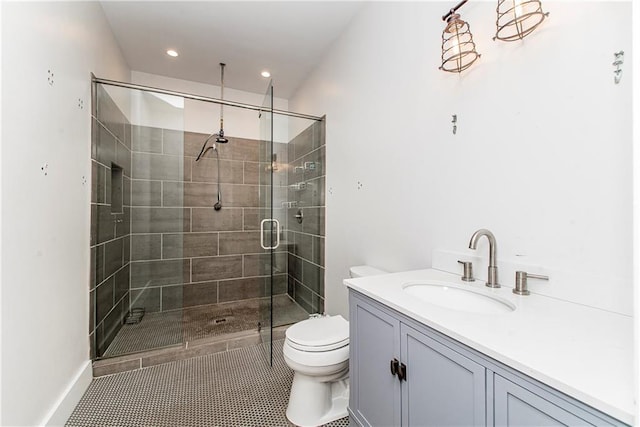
[(403, 373), (431, 385)]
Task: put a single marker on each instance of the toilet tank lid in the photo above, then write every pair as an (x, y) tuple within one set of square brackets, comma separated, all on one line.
[(364, 270), (319, 332)]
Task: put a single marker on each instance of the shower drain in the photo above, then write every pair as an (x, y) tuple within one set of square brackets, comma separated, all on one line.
[(134, 316)]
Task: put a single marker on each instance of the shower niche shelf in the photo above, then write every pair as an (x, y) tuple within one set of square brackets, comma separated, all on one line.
[(299, 186), (307, 166), (116, 189)]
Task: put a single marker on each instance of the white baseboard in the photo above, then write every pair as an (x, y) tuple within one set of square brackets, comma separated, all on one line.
[(66, 403)]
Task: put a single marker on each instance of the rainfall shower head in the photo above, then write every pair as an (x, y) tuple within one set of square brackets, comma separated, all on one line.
[(220, 139)]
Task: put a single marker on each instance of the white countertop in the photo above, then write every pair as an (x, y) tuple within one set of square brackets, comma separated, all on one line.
[(581, 351)]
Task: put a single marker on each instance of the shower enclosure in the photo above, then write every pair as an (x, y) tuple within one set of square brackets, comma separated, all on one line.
[(168, 269)]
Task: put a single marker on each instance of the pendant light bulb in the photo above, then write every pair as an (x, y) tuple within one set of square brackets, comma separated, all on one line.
[(518, 18), (458, 49)]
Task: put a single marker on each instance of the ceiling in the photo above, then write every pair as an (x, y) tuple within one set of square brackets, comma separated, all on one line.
[(288, 38)]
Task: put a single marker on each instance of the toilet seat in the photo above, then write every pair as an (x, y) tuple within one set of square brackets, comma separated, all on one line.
[(319, 334), (318, 348)]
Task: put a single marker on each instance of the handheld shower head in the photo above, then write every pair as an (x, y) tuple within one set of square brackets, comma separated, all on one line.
[(218, 205)]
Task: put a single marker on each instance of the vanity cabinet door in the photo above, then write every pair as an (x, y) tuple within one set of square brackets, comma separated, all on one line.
[(515, 405), (442, 387), (374, 342)]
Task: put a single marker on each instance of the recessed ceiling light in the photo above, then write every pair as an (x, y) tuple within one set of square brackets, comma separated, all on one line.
[(172, 52), (265, 74)]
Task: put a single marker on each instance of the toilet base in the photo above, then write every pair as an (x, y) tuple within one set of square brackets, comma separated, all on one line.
[(314, 403)]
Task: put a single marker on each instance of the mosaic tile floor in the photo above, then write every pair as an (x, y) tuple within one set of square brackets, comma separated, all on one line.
[(157, 330), (235, 388)]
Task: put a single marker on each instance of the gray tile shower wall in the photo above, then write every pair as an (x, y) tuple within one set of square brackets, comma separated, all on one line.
[(306, 187), (110, 221), (183, 252)]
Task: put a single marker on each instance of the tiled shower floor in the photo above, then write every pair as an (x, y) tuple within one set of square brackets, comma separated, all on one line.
[(235, 388), (157, 330)]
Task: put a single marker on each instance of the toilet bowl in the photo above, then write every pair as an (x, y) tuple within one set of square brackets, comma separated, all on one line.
[(317, 350)]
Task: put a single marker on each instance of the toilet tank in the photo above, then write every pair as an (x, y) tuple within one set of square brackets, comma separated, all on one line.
[(364, 270)]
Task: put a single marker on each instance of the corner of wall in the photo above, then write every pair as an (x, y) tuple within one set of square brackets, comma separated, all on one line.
[(66, 403), (1, 241), (635, 19)]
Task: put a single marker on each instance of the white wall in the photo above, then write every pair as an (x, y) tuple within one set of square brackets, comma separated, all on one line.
[(542, 156), (46, 218), (204, 117), (1, 257), (636, 204)]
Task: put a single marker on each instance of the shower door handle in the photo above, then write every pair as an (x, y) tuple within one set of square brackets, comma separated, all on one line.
[(262, 230)]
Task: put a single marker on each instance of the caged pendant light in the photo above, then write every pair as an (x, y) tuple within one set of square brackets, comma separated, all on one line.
[(458, 48), (518, 18)]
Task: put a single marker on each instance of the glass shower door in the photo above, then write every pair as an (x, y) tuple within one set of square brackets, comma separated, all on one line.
[(269, 227)]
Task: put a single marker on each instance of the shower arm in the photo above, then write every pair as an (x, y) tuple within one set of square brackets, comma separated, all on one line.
[(221, 133)]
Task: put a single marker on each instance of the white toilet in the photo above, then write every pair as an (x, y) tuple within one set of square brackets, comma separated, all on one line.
[(317, 349)]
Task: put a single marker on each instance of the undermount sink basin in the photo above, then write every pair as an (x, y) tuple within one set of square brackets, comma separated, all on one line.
[(457, 297)]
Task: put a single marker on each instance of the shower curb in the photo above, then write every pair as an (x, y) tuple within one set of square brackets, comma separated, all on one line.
[(186, 350)]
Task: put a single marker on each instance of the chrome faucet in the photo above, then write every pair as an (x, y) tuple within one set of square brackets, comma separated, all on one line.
[(492, 281)]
